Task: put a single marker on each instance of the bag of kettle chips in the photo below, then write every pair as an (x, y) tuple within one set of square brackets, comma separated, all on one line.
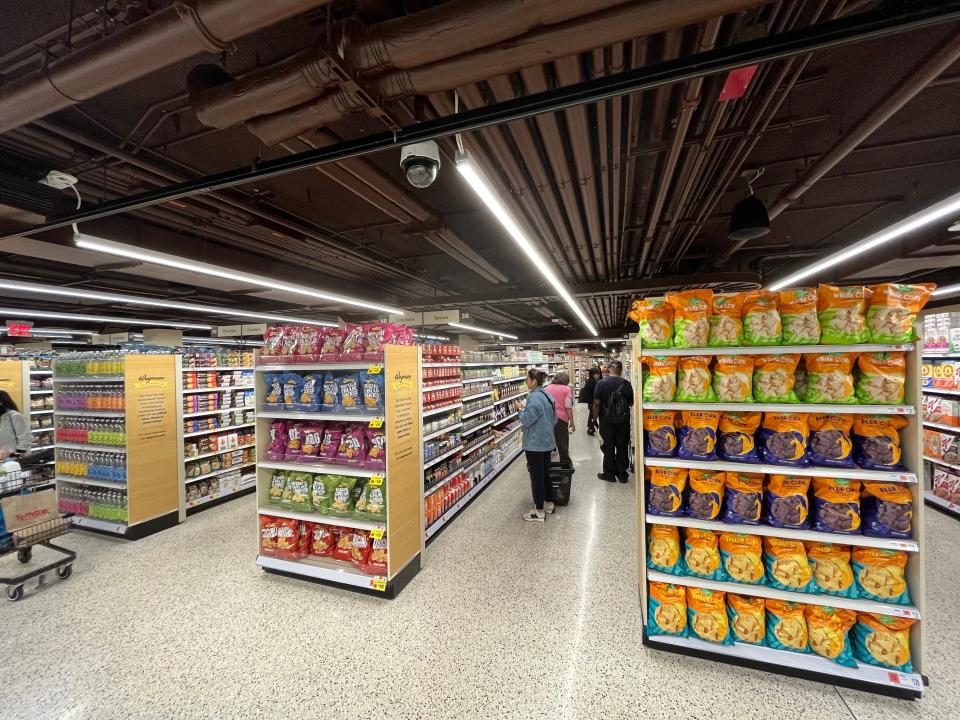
[(278, 482), (292, 384), (349, 392), (322, 540), (373, 391), (342, 502), (377, 562), (321, 492), (372, 504), (273, 399), (329, 393), (298, 489), (311, 392), (277, 444)]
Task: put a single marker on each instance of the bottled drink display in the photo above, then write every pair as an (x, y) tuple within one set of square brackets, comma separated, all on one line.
[(107, 466), (90, 397), (99, 503), (92, 364), (95, 431)]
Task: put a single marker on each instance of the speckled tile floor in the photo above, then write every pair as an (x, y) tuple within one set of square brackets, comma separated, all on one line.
[(507, 620)]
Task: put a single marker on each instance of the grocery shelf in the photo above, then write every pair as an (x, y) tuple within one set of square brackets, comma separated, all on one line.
[(359, 365), (442, 365), (447, 386), (477, 427), (792, 662), (95, 448), (221, 471), (501, 381), (769, 531), (217, 367), (323, 519), (486, 408), (41, 372), (439, 458), (46, 412), (494, 363), (936, 355), (445, 408), (504, 419), (190, 458), (940, 391), (785, 407), (226, 388), (467, 381), (87, 481), (327, 469), (476, 447), (443, 482), (507, 434), (219, 429), (512, 397), (442, 431), (940, 426), (941, 504), (218, 411), (777, 349), (220, 494), (88, 380), (51, 428), (42, 392), (485, 393), (85, 413), (344, 417), (107, 526), (320, 569), (811, 471), (766, 591), (952, 466)]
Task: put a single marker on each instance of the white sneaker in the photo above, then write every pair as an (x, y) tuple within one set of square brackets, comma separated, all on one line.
[(549, 507), (534, 515)]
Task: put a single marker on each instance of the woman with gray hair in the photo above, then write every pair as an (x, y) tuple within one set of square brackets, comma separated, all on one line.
[(562, 396)]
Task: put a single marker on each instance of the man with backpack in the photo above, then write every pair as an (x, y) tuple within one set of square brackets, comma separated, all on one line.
[(612, 403)]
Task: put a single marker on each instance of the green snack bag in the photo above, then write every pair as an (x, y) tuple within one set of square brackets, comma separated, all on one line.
[(298, 485), (320, 491), (277, 482), (655, 318), (694, 382), (761, 318), (342, 501), (372, 504), (842, 313)]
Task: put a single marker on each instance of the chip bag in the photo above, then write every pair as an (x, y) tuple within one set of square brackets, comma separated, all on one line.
[(292, 384), (372, 504), (663, 549), (659, 433), (832, 572), (303, 539), (761, 318), (883, 640), (705, 496), (707, 615), (876, 441), (294, 448), (277, 444), (354, 343), (272, 341), (697, 437), (273, 398), (830, 378), (798, 313), (828, 630), (701, 555), (309, 340), (377, 336), (665, 491), (786, 564), (297, 491), (691, 317), (784, 438), (748, 618), (842, 313), (332, 343), (349, 393), (342, 550), (893, 311), (376, 448), (377, 562), (268, 535), (693, 379), (329, 393), (312, 438), (773, 378), (666, 610), (786, 626), (736, 436), (278, 481), (733, 378), (360, 548), (342, 502), (322, 540), (372, 391), (836, 505), (655, 318), (830, 444), (887, 510), (741, 501), (785, 502), (288, 538), (321, 491), (881, 575), (310, 392), (800, 381), (660, 379), (742, 558), (882, 378), (352, 448), (331, 442), (726, 323)]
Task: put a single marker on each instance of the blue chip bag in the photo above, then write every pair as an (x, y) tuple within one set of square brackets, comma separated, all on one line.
[(836, 505), (664, 491), (372, 391), (659, 433), (887, 510), (273, 398), (742, 498), (666, 610), (736, 437), (830, 443), (663, 549), (350, 393), (311, 392), (329, 393), (697, 438), (783, 439), (785, 502), (292, 383), (883, 640)]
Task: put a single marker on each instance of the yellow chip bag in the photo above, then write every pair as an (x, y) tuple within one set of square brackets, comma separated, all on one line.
[(707, 615), (726, 324), (659, 379), (798, 313), (693, 379), (733, 378), (773, 378), (882, 378), (842, 313), (881, 574), (665, 491), (666, 609), (786, 626), (832, 571), (705, 496), (786, 564), (663, 549), (828, 628), (655, 318), (701, 555), (893, 311), (748, 618), (883, 640), (741, 558), (691, 317), (761, 318)]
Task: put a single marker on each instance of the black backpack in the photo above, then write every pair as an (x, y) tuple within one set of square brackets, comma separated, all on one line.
[(617, 409)]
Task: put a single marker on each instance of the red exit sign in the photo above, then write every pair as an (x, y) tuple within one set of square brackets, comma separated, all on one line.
[(18, 329)]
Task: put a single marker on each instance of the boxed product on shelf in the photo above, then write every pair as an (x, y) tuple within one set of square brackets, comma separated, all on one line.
[(441, 354), (946, 483), (218, 443), (214, 422), (941, 446), (942, 410), (216, 463), (287, 344), (942, 332), (439, 398), (200, 360)]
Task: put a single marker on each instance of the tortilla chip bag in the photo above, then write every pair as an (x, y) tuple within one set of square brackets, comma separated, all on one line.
[(659, 379), (798, 314), (748, 618), (742, 558), (786, 626), (666, 610), (881, 575), (832, 571), (842, 313), (707, 615), (733, 378), (786, 565), (701, 555), (761, 318), (828, 630), (830, 378), (663, 549), (882, 378), (893, 311), (883, 640), (655, 318), (691, 317), (726, 322)]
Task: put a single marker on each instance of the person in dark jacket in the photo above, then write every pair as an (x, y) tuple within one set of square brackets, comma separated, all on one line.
[(586, 397), (614, 430)]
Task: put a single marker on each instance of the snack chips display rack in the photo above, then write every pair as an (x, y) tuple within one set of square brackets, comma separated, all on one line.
[(941, 411)]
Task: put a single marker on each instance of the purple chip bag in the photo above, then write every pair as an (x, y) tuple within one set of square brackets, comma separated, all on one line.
[(353, 446), (312, 441), (277, 446), (331, 442), (376, 449), (294, 447)]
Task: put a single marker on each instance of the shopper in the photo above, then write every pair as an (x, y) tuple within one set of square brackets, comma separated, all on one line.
[(586, 397), (15, 436), (562, 396), (612, 401), (538, 418)]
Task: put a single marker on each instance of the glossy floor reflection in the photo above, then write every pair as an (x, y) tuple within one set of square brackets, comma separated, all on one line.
[(507, 620)]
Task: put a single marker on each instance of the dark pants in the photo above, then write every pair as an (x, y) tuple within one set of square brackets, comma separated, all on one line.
[(615, 446), (538, 464), (561, 434), (591, 422)]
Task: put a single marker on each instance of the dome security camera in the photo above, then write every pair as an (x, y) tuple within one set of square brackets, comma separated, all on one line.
[(420, 162)]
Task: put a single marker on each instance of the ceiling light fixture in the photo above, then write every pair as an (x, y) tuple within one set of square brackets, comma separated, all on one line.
[(954, 227), (75, 292), (24, 312), (54, 331), (475, 178), (946, 290), (88, 242), (937, 211), (485, 331), (749, 219)]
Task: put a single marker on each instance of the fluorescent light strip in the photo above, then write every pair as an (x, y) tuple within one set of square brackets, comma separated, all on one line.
[(88, 242), (946, 290), (73, 292), (474, 177), (474, 328), (935, 212), (23, 312)]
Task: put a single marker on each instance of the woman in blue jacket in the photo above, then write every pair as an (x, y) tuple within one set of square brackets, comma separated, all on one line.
[(538, 418)]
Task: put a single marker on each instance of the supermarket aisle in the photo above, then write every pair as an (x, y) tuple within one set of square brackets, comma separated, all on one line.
[(507, 620)]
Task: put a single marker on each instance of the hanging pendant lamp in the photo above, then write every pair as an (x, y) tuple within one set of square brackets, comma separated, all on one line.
[(749, 219)]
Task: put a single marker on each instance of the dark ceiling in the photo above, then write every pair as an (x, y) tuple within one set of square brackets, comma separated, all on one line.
[(627, 196)]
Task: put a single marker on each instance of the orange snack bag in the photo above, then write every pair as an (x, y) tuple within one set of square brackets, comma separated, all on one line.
[(666, 609), (882, 378), (883, 640), (659, 379), (842, 313), (761, 318), (893, 310), (798, 313), (742, 558), (691, 317), (707, 615), (747, 618), (733, 378), (828, 628), (774, 377), (655, 318), (786, 626), (830, 378), (726, 322)]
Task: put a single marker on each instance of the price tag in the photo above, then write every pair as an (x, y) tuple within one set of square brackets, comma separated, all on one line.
[(377, 533), (902, 679), (379, 584), (376, 423), (375, 369), (376, 481), (902, 545), (908, 613)]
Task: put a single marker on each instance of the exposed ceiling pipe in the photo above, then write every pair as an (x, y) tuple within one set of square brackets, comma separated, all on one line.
[(411, 41), (918, 78), (599, 29), (164, 38)]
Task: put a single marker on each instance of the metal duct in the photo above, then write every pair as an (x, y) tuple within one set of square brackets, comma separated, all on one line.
[(164, 38)]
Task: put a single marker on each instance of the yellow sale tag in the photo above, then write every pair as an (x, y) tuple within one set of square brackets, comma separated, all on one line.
[(379, 584), (377, 533), (375, 369), (376, 481), (376, 423)]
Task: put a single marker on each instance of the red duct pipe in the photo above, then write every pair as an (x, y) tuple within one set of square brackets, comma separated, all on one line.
[(164, 38)]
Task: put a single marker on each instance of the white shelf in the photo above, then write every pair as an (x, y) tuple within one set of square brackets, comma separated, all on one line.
[(443, 364), (195, 391), (95, 448), (191, 458), (482, 425), (42, 392), (327, 469), (448, 386), (439, 410), (488, 408), (41, 448), (345, 417), (85, 413), (485, 393), (218, 411), (219, 429), (217, 495), (776, 350), (798, 661), (507, 434), (88, 481), (940, 426), (356, 365), (785, 407), (111, 526), (321, 569), (45, 412), (449, 453), (518, 378), (769, 531), (765, 591), (442, 431), (51, 428), (941, 462), (324, 519), (939, 391), (478, 446), (508, 417), (468, 381), (512, 397), (41, 372), (939, 355), (443, 482), (494, 363), (946, 504), (221, 471), (217, 367), (811, 471), (88, 380)]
